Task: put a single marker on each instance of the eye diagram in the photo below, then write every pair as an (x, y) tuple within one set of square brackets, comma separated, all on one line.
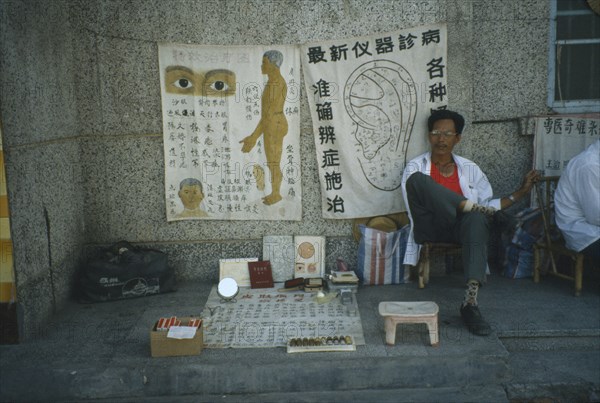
[(380, 97), (212, 83)]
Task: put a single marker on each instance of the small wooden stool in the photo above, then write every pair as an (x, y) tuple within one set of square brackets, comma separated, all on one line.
[(395, 312)]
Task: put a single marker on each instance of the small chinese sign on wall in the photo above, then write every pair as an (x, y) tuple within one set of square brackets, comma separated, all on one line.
[(231, 132), (559, 138), (369, 99)]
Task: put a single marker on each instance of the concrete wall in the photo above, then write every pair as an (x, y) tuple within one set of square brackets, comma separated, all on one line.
[(82, 116), (42, 153)]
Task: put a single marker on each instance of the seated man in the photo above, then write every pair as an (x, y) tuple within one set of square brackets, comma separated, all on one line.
[(577, 202), (449, 199)]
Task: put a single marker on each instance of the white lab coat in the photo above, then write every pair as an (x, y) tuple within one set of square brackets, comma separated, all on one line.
[(473, 183)]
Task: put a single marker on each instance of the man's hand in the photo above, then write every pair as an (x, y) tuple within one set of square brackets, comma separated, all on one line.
[(529, 180), (249, 143)]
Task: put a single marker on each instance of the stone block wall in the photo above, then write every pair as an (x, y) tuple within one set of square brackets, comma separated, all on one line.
[(81, 113)]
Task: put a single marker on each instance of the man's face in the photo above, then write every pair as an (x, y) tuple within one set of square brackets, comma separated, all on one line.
[(191, 196), (266, 65), (442, 145)]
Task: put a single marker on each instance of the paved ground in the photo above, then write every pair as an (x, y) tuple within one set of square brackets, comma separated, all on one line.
[(545, 347)]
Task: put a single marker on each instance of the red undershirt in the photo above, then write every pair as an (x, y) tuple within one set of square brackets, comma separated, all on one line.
[(451, 182)]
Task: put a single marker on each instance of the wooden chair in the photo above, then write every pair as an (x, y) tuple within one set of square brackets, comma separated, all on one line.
[(553, 242), (430, 248)]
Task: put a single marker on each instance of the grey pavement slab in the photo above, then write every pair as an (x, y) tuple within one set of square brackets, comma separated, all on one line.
[(101, 351), (476, 394)]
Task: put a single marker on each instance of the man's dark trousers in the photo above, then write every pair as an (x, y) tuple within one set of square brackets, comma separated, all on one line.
[(434, 211)]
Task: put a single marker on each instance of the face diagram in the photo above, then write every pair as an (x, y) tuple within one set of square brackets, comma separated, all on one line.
[(213, 83), (380, 97), (191, 196)]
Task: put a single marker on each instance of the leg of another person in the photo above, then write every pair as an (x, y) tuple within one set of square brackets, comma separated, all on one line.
[(592, 251)]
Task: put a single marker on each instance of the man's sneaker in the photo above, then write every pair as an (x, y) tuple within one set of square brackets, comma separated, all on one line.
[(474, 321)]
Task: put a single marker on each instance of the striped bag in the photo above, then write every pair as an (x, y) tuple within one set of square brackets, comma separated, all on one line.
[(381, 256)]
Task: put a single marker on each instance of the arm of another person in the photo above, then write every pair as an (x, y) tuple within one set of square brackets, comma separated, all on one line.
[(588, 194), (582, 215), (577, 206)]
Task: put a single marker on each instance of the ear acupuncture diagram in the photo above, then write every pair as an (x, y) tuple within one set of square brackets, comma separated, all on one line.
[(380, 97)]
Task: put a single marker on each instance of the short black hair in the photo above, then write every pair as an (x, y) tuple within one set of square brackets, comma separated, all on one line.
[(439, 114), (190, 182)]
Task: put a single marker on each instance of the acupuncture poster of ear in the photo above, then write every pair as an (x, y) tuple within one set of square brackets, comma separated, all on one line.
[(231, 132), (369, 99)]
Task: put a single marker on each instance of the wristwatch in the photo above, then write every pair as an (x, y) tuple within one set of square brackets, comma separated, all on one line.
[(512, 198)]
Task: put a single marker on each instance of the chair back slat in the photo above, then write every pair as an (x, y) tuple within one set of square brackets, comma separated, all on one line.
[(553, 241), (545, 201), (545, 188)]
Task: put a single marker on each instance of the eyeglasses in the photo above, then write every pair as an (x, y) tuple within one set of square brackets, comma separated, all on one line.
[(438, 133)]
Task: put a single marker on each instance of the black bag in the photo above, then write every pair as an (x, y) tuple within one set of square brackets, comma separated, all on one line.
[(125, 271)]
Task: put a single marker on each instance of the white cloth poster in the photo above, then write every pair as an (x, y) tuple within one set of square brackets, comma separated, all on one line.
[(561, 137), (369, 99), (231, 132)]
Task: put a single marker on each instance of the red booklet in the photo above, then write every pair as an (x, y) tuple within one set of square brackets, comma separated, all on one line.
[(261, 275)]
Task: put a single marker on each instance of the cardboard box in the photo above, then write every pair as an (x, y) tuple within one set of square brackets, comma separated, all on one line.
[(162, 346)]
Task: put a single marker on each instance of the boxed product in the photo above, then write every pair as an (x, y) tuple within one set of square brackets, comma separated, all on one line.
[(176, 336)]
